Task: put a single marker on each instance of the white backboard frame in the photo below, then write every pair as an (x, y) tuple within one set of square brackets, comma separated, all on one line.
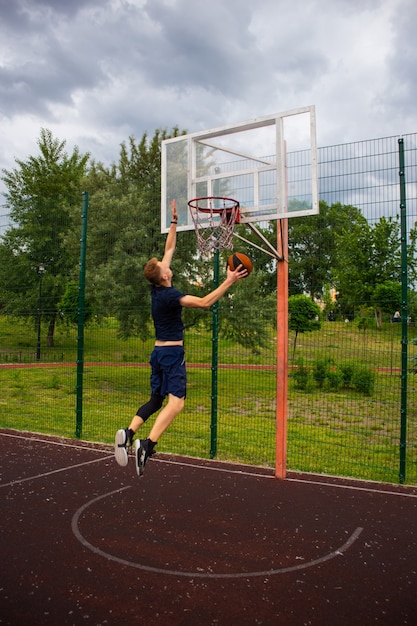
[(268, 164)]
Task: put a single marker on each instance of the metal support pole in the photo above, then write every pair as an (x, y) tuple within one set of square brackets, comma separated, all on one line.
[(41, 271), (81, 315), (404, 313), (282, 351), (214, 359)]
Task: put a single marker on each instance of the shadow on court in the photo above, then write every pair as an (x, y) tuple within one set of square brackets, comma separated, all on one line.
[(84, 541)]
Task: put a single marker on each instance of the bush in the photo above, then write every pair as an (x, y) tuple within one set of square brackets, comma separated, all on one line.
[(334, 380), (301, 375), (363, 379), (347, 369), (329, 377), (321, 369)]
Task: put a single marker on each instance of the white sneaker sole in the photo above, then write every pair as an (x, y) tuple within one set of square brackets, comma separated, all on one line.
[(120, 451)]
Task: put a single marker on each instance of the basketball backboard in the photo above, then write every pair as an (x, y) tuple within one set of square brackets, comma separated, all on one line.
[(268, 164)]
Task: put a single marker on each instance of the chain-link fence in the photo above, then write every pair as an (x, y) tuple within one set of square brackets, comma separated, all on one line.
[(351, 397)]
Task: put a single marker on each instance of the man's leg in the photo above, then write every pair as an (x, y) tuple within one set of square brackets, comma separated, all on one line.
[(124, 437), (144, 448), (136, 423), (166, 416)]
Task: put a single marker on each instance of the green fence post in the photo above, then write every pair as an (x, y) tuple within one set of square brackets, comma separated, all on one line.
[(404, 314), (81, 311), (214, 359)]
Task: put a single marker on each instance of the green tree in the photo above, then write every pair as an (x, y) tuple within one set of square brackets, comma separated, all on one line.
[(386, 298), (43, 194), (313, 249), (303, 316), (124, 232), (351, 269), (369, 255), (68, 305), (243, 318)]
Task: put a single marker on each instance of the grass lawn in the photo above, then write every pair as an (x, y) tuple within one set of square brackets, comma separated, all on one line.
[(335, 432)]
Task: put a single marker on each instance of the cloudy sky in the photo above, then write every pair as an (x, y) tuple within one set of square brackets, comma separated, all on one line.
[(95, 72)]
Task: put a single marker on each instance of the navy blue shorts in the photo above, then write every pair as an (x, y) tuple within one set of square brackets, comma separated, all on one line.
[(168, 371)]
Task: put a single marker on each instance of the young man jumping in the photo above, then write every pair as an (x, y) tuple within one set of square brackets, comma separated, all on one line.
[(168, 370)]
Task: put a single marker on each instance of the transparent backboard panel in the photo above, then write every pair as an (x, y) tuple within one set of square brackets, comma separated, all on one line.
[(269, 165)]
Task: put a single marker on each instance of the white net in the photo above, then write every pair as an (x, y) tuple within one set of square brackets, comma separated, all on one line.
[(214, 221)]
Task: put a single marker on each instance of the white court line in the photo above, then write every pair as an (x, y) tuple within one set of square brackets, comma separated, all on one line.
[(57, 471), (293, 480), (309, 481), (51, 442), (353, 488), (199, 574)]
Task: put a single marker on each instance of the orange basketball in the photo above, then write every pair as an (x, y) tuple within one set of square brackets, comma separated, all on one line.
[(238, 258)]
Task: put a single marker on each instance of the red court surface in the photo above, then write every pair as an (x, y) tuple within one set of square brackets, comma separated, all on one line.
[(84, 541)]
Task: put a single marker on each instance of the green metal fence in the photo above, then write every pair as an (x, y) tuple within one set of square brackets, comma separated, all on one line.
[(352, 408)]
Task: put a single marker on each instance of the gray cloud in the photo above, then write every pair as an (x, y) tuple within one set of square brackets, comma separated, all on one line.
[(97, 71), (400, 93)]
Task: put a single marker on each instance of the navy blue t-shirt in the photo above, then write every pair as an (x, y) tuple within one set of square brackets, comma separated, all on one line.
[(166, 313)]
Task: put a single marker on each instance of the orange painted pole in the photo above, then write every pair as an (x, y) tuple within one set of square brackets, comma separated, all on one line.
[(282, 351)]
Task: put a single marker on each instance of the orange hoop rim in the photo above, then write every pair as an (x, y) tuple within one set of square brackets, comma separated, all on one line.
[(194, 204)]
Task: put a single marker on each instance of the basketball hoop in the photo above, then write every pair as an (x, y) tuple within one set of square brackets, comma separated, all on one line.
[(214, 220)]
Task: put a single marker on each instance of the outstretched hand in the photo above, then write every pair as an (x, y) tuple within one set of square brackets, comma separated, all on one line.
[(237, 274), (174, 211)]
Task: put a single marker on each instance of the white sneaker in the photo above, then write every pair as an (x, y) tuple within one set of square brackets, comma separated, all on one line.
[(121, 445), (140, 456)]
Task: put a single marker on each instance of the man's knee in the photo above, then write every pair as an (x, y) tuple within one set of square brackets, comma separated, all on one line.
[(149, 408), (176, 402)]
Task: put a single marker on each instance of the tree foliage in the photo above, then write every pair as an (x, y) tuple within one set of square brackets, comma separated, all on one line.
[(386, 298), (313, 249), (369, 255), (303, 316), (341, 248), (43, 195), (242, 317), (124, 233)]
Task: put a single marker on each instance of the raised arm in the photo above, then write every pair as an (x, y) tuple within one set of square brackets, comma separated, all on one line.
[(172, 235), (195, 302)]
